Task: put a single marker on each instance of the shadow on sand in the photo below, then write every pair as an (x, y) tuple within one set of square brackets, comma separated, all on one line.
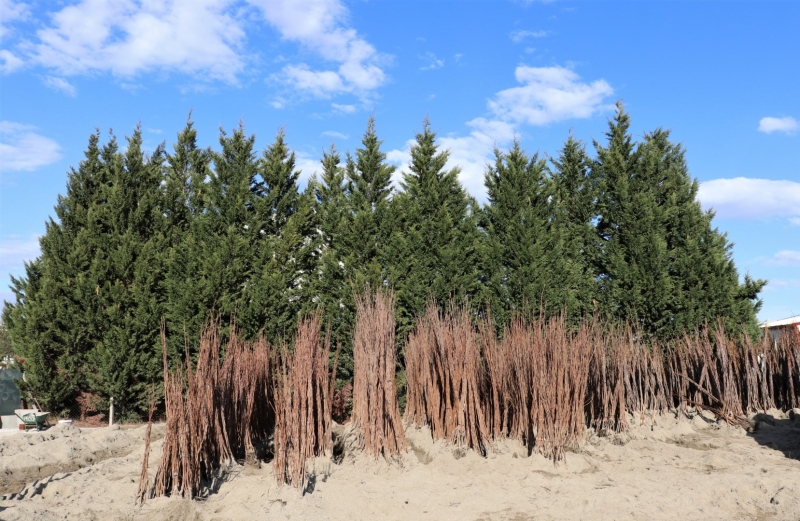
[(779, 434)]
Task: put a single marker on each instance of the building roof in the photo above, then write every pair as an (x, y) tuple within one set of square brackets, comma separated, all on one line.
[(795, 320)]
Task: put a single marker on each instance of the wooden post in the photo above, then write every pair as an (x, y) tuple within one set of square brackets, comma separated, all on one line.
[(111, 413)]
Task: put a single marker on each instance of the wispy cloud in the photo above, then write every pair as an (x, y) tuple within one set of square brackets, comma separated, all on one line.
[(785, 258), (11, 12), (787, 125), (522, 35), (22, 149), (321, 26), (432, 62), (61, 85), (334, 134), (9, 62), (14, 251), (747, 198), (549, 94), (205, 39), (782, 284), (307, 165), (343, 109)]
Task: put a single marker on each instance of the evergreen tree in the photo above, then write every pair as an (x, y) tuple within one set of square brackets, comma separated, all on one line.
[(434, 250), (182, 203), (224, 233), (56, 318), (662, 267), (705, 280), (284, 245), (126, 268), (521, 254), (368, 185), (330, 284), (634, 263), (355, 220), (574, 209)]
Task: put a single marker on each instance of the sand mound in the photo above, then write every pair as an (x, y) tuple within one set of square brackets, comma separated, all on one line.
[(663, 468), (26, 457)]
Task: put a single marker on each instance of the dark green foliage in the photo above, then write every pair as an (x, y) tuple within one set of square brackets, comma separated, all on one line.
[(435, 247), (194, 233), (521, 254), (330, 285), (284, 256), (574, 210), (355, 220), (124, 360), (662, 267)]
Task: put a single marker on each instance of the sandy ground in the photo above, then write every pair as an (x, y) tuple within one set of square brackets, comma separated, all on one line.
[(665, 468)]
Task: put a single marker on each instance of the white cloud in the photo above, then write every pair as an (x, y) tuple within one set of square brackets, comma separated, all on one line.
[(794, 221), (334, 134), (469, 153), (125, 37), (787, 125), (11, 12), (202, 38), (549, 94), (786, 258), (21, 149), (307, 165), (744, 197), (9, 62), (14, 251), (343, 109), (521, 35), (61, 85), (433, 62), (320, 26)]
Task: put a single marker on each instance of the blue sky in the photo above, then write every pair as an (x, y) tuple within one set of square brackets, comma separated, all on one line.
[(723, 76)]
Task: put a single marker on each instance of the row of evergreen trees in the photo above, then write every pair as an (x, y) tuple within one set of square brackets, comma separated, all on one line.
[(182, 234)]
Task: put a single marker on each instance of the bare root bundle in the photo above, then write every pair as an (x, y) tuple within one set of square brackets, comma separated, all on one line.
[(444, 373), (247, 393), (303, 391), (375, 410), (561, 364), (543, 383), (546, 381), (213, 412)]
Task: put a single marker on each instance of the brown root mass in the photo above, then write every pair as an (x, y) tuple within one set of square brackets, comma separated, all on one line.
[(375, 410), (303, 392), (544, 383)]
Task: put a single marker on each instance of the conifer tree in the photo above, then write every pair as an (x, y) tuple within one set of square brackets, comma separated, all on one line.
[(126, 268), (368, 185), (284, 245), (573, 211), (520, 265), (56, 318), (330, 284), (704, 277), (355, 219), (188, 166), (635, 285), (662, 267), (434, 250), (226, 229)]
